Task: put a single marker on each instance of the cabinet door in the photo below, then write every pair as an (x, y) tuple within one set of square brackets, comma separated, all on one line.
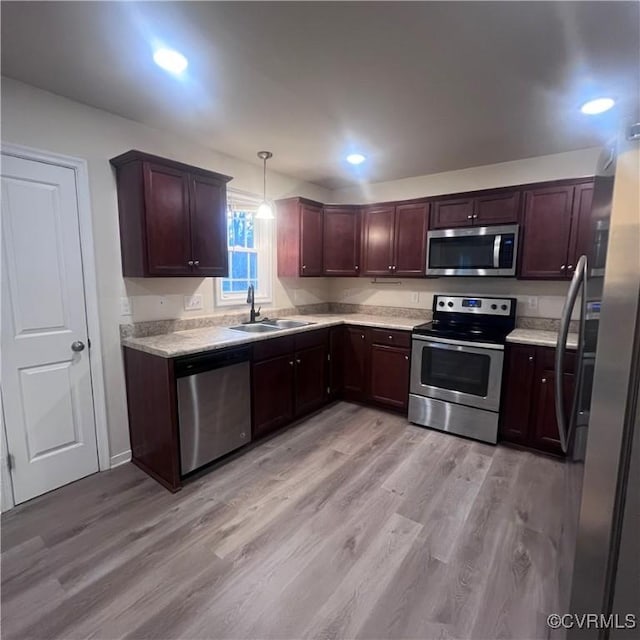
[(341, 252), (167, 220), (272, 383), (502, 207), (377, 241), (208, 227), (355, 363), (336, 361), (311, 379), (452, 213), (545, 239), (517, 393), (410, 240), (581, 231), (389, 376), (544, 434), (310, 240)]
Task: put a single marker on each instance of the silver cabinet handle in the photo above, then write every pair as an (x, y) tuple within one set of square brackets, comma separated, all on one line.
[(190, 263), (357, 267), (406, 357), (196, 263), (475, 215), (570, 267), (562, 267), (304, 266), (298, 361), (390, 267), (390, 337), (469, 217), (544, 380), (291, 362), (77, 346), (362, 336), (530, 358)]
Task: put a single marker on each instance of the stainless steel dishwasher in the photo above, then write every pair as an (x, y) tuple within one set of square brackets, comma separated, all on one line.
[(214, 405)]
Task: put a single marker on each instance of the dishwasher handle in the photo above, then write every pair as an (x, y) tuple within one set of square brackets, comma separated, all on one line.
[(198, 363)]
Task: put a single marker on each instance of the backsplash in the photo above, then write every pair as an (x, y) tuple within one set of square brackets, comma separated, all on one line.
[(159, 327)]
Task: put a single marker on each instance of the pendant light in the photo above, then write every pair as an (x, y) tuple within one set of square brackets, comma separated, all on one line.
[(265, 212)]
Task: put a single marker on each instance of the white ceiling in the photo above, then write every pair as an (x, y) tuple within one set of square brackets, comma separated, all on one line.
[(419, 87)]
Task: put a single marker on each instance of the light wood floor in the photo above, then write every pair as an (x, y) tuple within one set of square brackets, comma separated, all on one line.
[(353, 524)]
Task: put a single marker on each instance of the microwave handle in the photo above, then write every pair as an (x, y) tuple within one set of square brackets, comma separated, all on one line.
[(497, 242)]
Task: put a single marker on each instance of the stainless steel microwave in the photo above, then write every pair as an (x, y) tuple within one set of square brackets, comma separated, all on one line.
[(473, 251)]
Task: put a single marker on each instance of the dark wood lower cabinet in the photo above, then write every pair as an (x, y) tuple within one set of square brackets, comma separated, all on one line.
[(356, 351), (528, 415), (336, 362), (310, 379), (272, 386), (389, 381)]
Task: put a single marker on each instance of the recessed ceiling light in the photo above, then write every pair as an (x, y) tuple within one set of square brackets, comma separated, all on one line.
[(599, 105), (170, 60), (355, 158)]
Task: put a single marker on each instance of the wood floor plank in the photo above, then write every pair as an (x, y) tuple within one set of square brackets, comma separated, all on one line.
[(353, 523)]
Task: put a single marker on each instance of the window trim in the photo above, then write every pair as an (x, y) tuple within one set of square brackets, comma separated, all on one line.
[(264, 241)]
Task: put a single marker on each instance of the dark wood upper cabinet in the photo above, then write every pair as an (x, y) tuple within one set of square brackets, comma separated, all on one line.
[(410, 232), (456, 212), (341, 238), (208, 233), (581, 231), (172, 217), (300, 233), (394, 240), (378, 224), (495, 206), (544, 252)]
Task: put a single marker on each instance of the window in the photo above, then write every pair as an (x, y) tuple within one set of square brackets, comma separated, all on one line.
[(249, 242)]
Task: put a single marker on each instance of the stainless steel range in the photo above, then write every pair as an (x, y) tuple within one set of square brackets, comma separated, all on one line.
[(456, 365)]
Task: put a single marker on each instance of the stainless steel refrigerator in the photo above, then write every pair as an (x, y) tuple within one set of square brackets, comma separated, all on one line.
[(600, 549)]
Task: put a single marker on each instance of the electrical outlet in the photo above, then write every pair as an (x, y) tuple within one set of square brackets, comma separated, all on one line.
[(125, 306), (193, 303), (415, 297), (532, 303)]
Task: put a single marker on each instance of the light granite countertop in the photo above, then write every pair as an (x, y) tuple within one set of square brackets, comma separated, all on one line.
[(181, 343), (541, 338)]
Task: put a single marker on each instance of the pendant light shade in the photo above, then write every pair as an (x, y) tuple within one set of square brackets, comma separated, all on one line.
[(265, 212)]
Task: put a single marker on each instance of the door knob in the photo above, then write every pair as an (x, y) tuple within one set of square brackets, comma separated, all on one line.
[(77, 346)]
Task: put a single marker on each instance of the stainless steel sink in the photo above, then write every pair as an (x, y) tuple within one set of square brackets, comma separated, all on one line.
[(255, 328), (286, 324)]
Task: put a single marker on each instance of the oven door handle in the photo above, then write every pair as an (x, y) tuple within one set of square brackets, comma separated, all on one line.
[(442, 342), (497, 241)]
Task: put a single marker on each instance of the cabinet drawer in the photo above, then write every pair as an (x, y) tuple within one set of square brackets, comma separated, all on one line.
[(272, 348), (548, 357), (392, 338), (309, 339)]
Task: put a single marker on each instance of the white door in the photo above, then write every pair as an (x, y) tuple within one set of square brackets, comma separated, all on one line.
[(46, 384)]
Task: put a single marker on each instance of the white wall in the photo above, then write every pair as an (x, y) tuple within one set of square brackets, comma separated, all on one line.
[(49, 122), (573, 164), (548, 297)]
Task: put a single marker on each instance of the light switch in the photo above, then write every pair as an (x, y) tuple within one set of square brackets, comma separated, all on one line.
[(125, 306)]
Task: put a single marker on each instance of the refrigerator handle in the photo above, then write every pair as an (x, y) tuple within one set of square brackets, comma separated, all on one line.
[(579, 278)]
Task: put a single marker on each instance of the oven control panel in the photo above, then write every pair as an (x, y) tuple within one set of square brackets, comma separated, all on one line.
[(473, 304)]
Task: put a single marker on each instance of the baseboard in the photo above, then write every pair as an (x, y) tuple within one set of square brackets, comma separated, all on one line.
[(121, 458)]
